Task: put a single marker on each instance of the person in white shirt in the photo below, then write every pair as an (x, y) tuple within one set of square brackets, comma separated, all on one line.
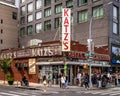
[(79, 75), (63, 81)]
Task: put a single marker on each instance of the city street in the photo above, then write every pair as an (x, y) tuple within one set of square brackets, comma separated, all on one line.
[(13, 91)]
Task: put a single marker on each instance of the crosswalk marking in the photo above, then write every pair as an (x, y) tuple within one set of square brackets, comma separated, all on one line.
[(8, 94), (115, 94), (101, 92), (18, 93)]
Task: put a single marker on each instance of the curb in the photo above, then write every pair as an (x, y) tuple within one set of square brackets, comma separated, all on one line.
[(28, 87)]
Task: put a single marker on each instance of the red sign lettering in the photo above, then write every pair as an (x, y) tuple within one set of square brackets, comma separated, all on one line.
[(66, 45), (65, 12)]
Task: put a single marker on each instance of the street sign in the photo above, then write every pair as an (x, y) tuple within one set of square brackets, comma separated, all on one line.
[(88, 53)]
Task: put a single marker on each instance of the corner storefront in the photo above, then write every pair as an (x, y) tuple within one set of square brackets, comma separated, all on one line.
[(48, 58)]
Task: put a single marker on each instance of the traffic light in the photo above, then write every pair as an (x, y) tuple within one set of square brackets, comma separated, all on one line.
[(85, 66)]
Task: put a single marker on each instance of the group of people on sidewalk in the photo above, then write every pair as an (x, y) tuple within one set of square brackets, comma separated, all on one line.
[(99, 80)]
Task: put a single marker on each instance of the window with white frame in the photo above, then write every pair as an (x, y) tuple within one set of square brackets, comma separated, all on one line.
[(47, 12), (82, 16), (38, 15), (98, 11), (58, 8), (30, 18), (30, 7), (38, 4), (38, 27)]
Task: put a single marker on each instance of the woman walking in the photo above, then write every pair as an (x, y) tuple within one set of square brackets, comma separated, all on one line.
[(44, 83)]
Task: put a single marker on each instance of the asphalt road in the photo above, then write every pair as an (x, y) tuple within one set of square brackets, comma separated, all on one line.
[(12, 91)]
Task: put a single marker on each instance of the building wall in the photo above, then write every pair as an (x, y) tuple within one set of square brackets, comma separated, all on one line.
[(8, 27), (9, 1), (80, 31)]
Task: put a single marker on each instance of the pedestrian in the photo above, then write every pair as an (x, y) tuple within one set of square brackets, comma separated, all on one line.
[(66, 81), (86, 81), (63, 81), (44, 83), (99, 80), (79, 75), (24, 81), (59, 79), (49, 79), (40, 77)]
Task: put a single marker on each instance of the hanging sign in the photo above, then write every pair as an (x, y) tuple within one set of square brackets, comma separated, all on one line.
[(66, 29)]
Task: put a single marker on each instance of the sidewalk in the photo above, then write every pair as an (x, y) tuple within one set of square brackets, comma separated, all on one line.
[(37, 86)]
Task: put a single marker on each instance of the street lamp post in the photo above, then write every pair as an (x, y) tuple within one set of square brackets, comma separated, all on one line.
[(90, 42), (90, 50)]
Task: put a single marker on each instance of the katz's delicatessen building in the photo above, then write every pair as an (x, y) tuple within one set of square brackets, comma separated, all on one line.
[(48, 58)]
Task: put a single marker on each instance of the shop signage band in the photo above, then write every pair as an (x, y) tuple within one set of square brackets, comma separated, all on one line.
[(66, 29), (32, 52)]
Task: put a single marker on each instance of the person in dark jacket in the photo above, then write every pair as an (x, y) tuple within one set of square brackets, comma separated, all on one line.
[(86, 81), (24, 81)]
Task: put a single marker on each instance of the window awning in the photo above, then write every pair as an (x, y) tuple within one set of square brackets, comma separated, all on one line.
[(71, 63)]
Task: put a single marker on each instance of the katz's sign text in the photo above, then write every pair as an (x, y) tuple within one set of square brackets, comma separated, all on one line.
[(66, 29)]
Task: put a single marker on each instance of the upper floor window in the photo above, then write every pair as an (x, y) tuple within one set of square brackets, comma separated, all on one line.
[(58, 8), (1, 21), (115, 13), (1, 31), (57, 22), (22, 10), (47, 12), (30, 18), (1, 41), (22, 32), (115, 28), (29, 29), (82, 16), (115, 19), (30, 7), (47, 2), (22, 20), (38, 27), (69, 3), (38, 15), (14, 15), (38, 4), (47, 25), (98, 12), (82, 2)]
